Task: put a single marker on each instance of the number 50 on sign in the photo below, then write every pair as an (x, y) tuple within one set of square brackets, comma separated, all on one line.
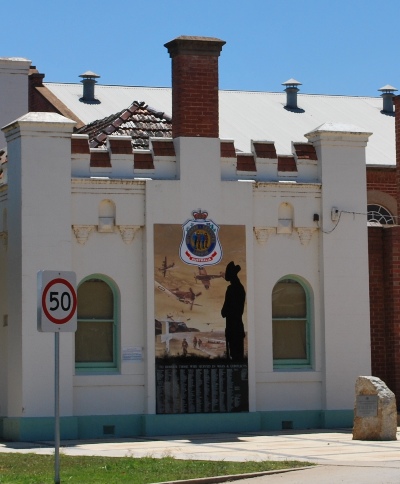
[(57, 301)]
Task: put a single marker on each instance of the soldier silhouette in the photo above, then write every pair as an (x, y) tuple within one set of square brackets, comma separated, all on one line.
[(232, 310)]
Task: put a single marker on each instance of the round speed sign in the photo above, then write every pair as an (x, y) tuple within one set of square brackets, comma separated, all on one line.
[(58, 301)]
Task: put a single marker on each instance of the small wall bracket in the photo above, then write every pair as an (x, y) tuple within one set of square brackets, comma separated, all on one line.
[(334, 214)]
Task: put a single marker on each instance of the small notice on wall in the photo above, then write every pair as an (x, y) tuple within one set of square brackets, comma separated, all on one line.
[(132, 353)]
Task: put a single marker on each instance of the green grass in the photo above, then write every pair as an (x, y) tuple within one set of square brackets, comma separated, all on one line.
[(35, 469)]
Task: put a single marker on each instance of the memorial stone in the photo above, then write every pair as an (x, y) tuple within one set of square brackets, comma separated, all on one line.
[(375, 411)]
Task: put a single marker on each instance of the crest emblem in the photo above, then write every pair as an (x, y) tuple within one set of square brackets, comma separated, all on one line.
[(200, 244)]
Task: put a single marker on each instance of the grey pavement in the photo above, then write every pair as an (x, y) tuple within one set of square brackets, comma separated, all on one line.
[(340, 459)]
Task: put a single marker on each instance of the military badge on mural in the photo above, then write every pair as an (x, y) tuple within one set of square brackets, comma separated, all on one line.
[(200, 244)]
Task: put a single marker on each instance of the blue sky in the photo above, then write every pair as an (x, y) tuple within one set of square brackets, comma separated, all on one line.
[(331, 46)]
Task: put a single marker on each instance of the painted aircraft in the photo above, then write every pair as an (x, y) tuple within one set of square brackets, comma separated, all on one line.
[(164, 267), (206, 278), (186, 297)]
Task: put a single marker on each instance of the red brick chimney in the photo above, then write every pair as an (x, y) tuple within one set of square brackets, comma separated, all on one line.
[(195, 86)]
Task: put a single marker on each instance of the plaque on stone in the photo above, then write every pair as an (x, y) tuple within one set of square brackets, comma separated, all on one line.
[(375, 410), (367, 405)]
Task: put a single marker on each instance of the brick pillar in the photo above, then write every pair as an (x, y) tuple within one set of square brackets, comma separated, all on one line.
[(195, 86), (391, 267), (377, 302)]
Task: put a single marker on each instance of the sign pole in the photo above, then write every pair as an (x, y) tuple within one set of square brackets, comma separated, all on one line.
[(56, 312), (57, 408)]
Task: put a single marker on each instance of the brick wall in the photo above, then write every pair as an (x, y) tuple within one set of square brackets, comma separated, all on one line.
[(384, 280), (384, 284), (382, 179), (391, 268), (377, 302)]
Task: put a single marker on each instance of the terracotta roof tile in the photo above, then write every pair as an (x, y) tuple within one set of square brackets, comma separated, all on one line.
[(117, 122), (305, 151), (287, 163), (102, 137), (124, 116), (138, 121)]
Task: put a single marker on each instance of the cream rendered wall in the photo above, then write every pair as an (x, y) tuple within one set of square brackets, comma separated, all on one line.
[(64, 235), (14, 90), (277, 255), (131, 266), (121, 261), (172, 202), (39, 237), (299, 253), (344, 293)]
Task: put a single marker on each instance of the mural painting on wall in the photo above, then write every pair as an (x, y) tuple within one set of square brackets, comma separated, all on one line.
[(201, 356)]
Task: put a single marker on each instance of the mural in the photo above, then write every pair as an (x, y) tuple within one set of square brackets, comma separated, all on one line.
[(194, 371)]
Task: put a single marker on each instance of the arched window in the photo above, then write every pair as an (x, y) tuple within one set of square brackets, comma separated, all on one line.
[(378, 215), (96, 339), (291, 324)]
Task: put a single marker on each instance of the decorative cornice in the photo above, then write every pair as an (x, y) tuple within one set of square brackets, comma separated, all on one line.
[(305, 234), (128, 232), (263, 233), (82, 232)]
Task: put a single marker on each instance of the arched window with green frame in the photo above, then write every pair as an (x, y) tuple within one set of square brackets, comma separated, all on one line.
[(96, 339), (291, 323)]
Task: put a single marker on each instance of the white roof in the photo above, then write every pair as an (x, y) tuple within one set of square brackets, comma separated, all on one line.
[(246, 116)]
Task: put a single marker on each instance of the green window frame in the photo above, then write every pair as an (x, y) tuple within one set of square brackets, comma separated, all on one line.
[(291, 324), (97, 335)]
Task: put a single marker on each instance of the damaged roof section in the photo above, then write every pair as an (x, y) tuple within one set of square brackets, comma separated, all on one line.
[(139, 121)]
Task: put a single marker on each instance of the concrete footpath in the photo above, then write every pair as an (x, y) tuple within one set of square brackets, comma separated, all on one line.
[(340, 459)]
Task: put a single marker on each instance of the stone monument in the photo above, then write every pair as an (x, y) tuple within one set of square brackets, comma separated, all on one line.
[(375, 411)]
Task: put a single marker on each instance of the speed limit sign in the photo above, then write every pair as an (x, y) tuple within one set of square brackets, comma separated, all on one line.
[(57, 301)]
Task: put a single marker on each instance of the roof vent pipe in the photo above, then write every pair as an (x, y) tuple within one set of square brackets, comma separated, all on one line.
[(291, 93), (387, 95), (88, 81)]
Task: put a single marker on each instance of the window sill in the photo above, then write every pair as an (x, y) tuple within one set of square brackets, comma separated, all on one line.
[(293, 368), (96, 371), (290, 376)]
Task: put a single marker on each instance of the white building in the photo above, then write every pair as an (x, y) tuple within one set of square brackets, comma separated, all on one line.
[(295, 223)]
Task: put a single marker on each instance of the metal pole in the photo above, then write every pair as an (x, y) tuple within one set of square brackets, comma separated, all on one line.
[(57, 408)]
